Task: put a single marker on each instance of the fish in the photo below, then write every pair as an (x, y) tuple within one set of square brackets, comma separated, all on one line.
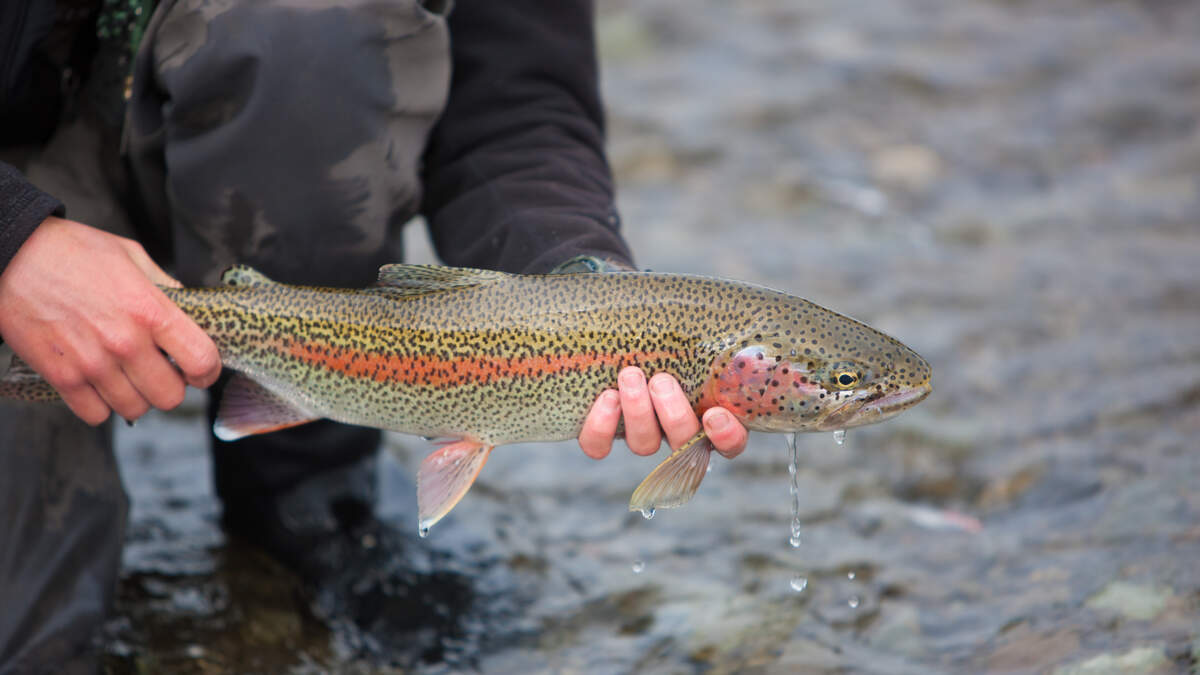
[(482, 358)]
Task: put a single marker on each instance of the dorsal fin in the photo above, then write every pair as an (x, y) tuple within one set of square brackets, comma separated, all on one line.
[(421, 279), (243, 275)]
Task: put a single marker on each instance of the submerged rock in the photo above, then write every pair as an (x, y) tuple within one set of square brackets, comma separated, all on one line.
[(1136, 661), (1136, 602)]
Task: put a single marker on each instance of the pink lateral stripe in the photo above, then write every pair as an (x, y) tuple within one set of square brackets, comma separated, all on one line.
[(434, 371)]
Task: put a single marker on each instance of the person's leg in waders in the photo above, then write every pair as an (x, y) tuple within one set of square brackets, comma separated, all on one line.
[(60, 539), (63, 508), (287, 137)]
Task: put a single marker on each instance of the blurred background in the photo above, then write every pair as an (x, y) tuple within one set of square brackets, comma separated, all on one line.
[(1012, 188)]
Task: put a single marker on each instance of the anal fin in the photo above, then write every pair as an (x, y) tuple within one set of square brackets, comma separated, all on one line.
[(444, 478), (247, 408), (676, 479)]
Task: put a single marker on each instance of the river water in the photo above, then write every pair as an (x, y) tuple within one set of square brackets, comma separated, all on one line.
[(1012, 188)]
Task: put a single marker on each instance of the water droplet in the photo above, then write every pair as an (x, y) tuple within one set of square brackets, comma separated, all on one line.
[(709, 469), (799, 582), (424, 532), (839, 436), (853, 602), (648, 513), (639, 566), (850, 576), (429, 439)]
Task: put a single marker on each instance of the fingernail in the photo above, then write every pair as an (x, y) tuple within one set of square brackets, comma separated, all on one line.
[(718, 421), (610, 399), (631, 378), (661, 386)]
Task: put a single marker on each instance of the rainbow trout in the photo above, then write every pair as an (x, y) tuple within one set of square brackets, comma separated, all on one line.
[(485, 358)]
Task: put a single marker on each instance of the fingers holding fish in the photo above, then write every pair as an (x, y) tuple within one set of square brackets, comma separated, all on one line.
[(728, 436), (642, 432), (76, 392), (94, 328), (159, 383), (192, 349), (97, 373), (121, 396), (674, 411), (600, 425)]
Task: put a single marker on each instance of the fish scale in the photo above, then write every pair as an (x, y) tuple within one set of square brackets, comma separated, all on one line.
[(487, 358)]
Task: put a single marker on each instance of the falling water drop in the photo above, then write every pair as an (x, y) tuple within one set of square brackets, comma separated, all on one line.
[(850, 575), (839, 436), (638, 566), (799, 581), (423, 531), (429, 439), (648, 513), (853, 602)]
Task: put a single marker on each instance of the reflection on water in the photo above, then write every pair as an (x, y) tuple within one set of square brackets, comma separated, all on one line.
[(1008, 187)]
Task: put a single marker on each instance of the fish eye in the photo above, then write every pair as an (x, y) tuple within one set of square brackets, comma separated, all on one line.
[(845, 379)]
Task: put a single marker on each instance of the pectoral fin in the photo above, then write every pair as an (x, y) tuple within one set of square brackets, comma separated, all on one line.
[(444, 477), (247, 409), (675, 480)]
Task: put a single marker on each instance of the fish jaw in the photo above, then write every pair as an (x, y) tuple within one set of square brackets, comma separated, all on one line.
[(866, 409)]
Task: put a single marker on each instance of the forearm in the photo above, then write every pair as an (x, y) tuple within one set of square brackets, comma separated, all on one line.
[(22, 208), (515, 173)]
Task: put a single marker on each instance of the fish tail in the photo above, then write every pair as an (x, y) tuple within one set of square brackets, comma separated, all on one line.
[(22, 383)]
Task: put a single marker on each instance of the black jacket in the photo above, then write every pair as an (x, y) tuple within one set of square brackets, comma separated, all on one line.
[(515, 173)]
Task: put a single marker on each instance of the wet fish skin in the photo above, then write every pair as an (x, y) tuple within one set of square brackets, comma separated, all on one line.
[(488, 358)]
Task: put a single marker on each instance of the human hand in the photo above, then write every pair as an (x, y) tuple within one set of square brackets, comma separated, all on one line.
[(650, 410), (80, 306)]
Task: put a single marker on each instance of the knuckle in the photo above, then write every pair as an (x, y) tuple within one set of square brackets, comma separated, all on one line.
[(121, 343), (64, 379), (150, 313), (93, 368)]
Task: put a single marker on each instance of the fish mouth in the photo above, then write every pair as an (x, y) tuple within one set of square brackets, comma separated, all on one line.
[(865, 410)]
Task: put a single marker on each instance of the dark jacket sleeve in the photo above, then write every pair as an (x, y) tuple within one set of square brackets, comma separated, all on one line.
[(22, 208), (515, 173)]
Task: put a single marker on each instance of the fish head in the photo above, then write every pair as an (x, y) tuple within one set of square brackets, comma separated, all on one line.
[(819, 371)]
